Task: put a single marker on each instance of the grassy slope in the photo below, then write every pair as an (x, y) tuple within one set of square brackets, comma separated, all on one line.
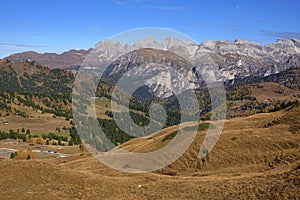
[(262, 162)]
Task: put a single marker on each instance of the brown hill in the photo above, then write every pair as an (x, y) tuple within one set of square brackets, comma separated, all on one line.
[(70, 59)]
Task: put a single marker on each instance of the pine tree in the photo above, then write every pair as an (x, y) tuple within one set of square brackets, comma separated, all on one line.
[(12, 155)]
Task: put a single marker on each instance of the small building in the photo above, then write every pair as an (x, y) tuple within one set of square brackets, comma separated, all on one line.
[(5, 122)]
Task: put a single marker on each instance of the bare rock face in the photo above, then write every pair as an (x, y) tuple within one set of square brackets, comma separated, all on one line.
[(162, 71)]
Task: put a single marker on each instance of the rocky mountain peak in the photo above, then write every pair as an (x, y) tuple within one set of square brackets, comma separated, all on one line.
[(149, 42)]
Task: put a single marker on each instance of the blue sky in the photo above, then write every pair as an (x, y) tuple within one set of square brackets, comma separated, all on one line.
[(60, 25)]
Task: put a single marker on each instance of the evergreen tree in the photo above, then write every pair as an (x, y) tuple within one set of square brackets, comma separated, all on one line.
[(12, 155)]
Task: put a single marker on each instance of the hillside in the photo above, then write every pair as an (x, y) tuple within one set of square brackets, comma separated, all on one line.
[(249, 161), (67, 60), (32, 77), (255, 143)]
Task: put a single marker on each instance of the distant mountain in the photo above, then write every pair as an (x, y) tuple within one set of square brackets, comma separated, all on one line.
[(242, 58), (227, 60), (68, 60), (217, 60)]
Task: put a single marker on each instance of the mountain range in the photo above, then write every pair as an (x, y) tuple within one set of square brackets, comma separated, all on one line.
[(227, 60)]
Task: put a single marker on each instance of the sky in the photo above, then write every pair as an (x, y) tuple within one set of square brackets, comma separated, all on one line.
[(61, 25)]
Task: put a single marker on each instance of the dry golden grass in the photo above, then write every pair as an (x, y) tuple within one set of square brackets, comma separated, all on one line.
[(274, 91), (37, 122), (43, 123), (255, 158)]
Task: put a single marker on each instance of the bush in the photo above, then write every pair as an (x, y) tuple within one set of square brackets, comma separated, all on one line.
[(234, 138)]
